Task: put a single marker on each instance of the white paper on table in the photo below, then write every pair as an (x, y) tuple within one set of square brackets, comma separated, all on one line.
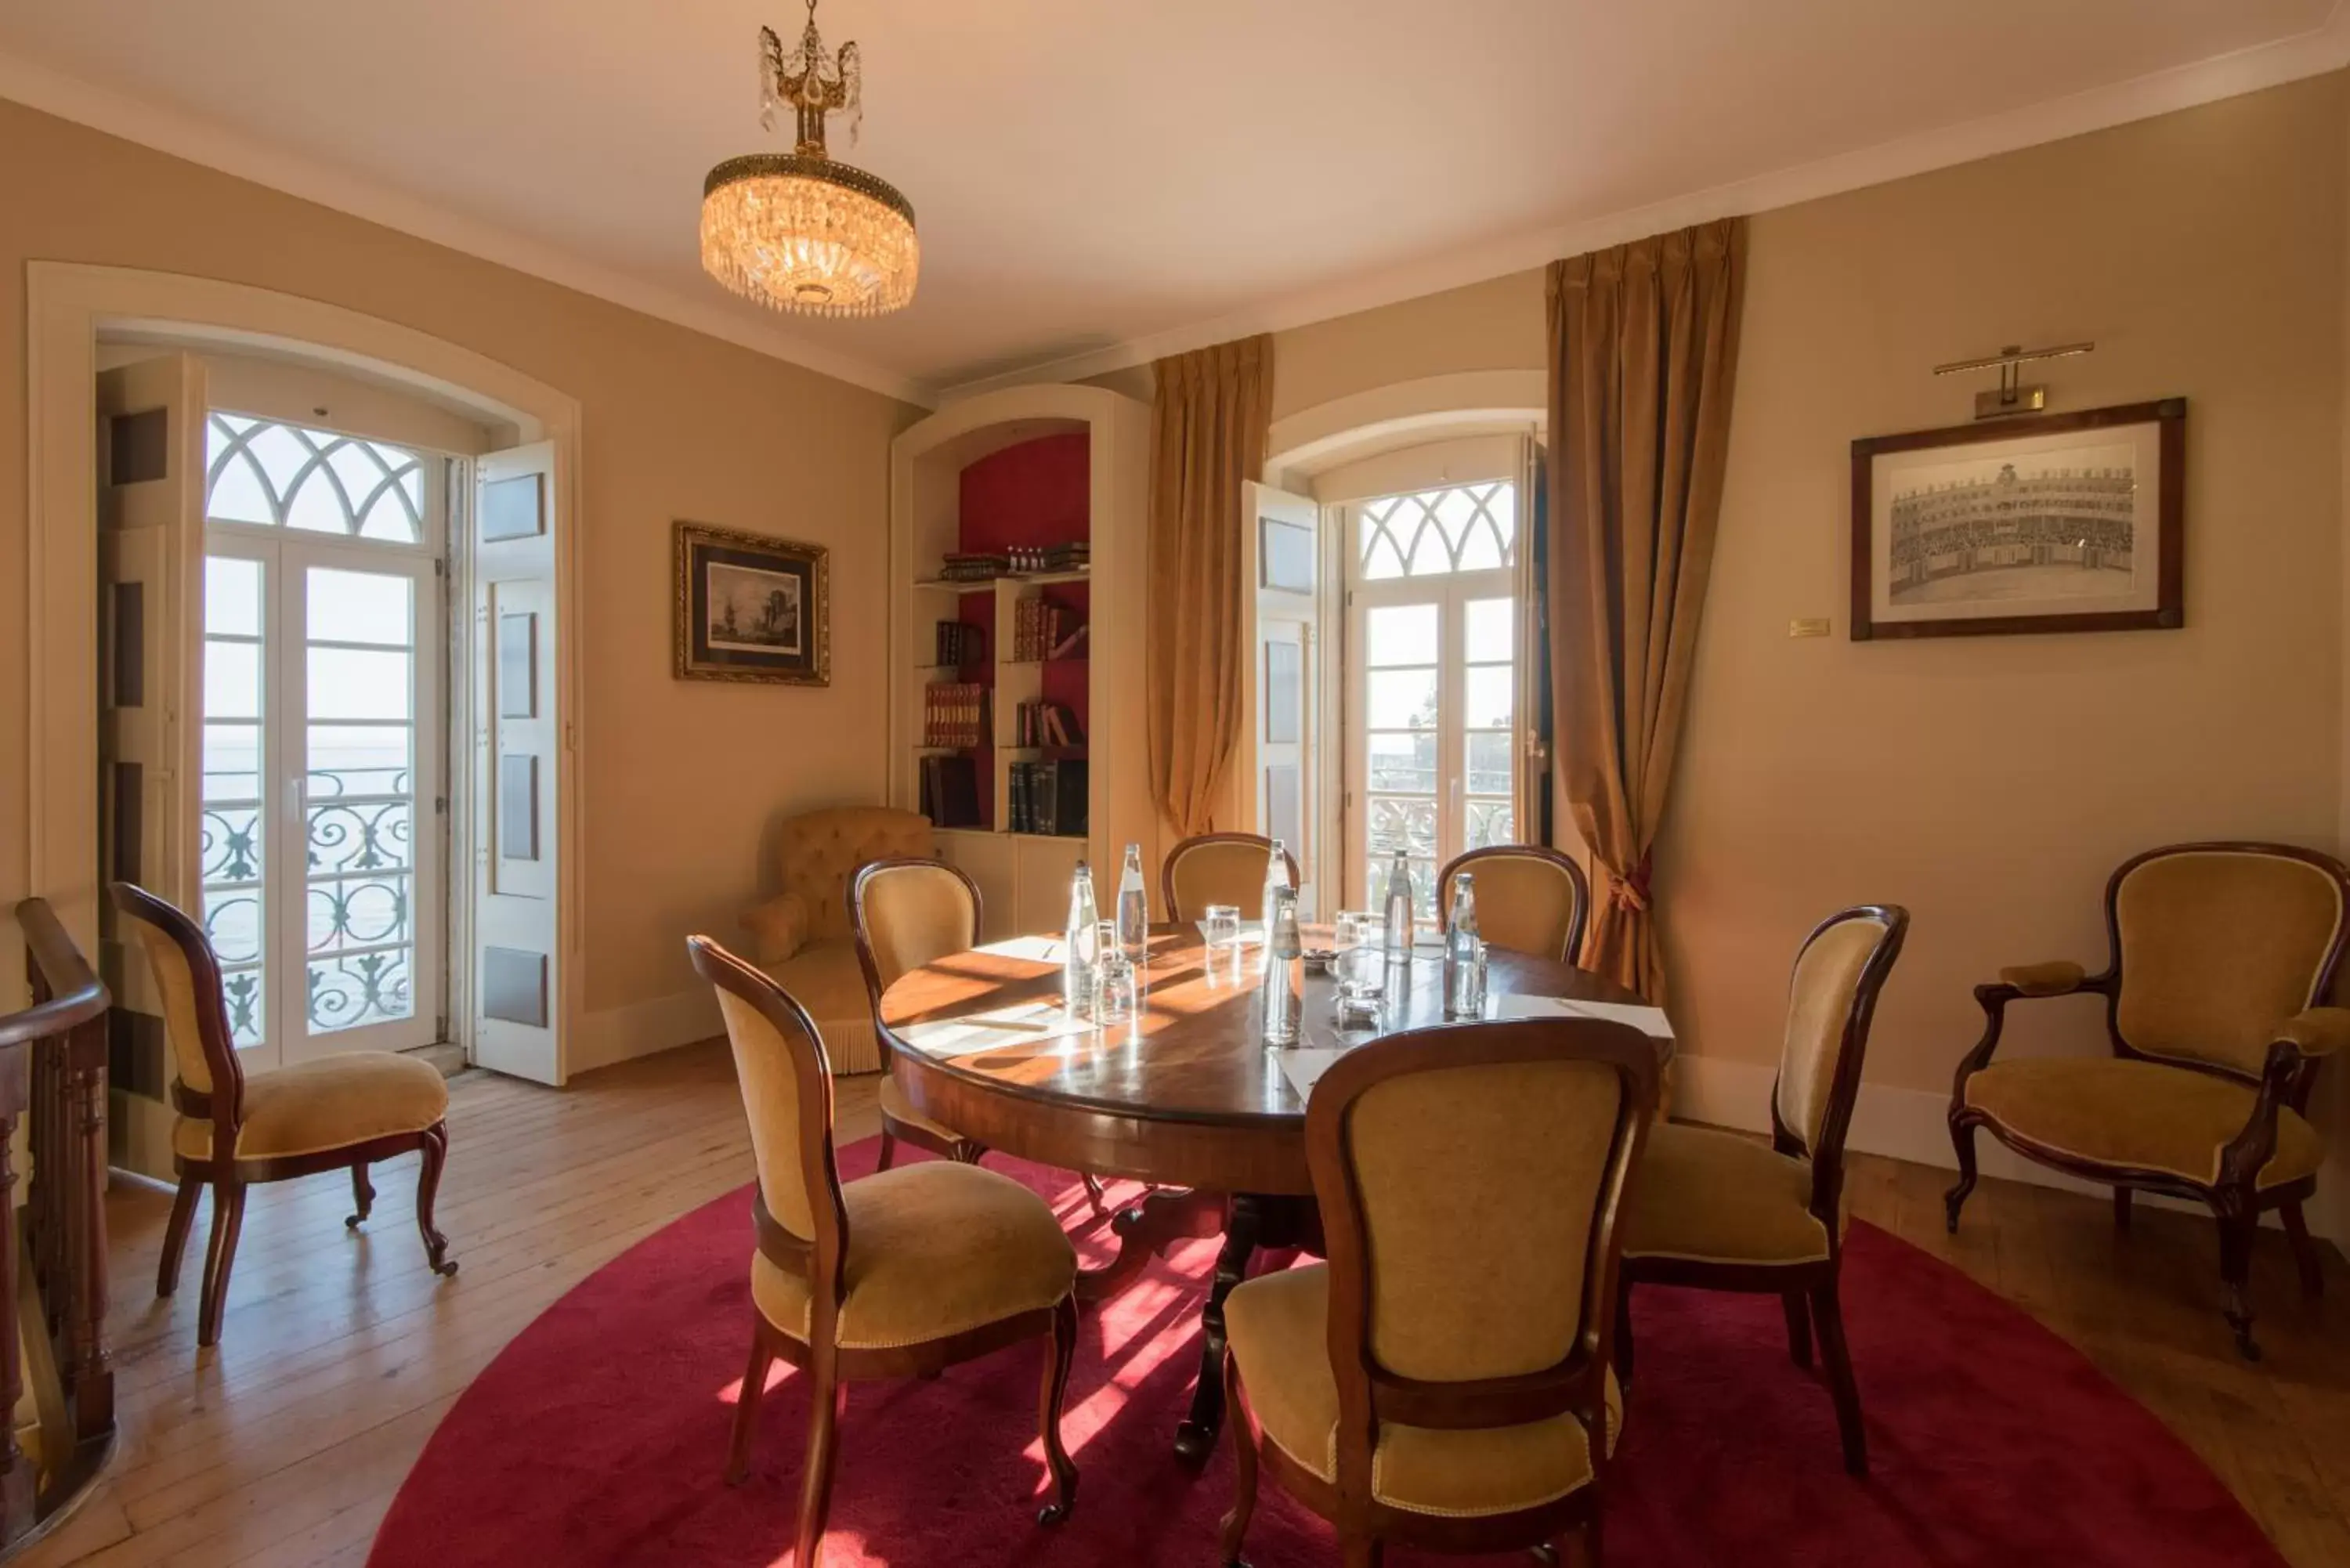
[(1649, 1020), (1025, 1024), (1033, 949), (1303, 1067), (1251, 932)]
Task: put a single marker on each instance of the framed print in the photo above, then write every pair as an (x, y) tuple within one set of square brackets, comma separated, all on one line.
[(2065, 523), (751, 608)]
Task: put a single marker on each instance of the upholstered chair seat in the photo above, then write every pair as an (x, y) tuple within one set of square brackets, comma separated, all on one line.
[(1711, 1196), (333, 1102), (2142, 1116), (1277, 1328), (801, 937), (934, 1250), (2220, 958)]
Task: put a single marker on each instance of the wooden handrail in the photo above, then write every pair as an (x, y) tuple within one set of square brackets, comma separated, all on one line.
[(53, 1073), (73, 992)]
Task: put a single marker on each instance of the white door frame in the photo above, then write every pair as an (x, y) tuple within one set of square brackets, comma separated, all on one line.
[(67, 306)]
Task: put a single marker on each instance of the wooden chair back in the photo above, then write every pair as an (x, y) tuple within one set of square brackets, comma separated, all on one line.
[(1218, 868), (1830, 999), (906, 913), (1471, 1178), (787, 1084), (1530, 899), (2214, 945), (208, 1080)]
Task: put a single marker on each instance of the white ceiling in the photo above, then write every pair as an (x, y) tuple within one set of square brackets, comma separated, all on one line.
[(1098, 180)]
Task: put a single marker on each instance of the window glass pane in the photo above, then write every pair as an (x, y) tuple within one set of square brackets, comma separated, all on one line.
[(232, 920), (1490, 822), (1408, 825), (241, 990), (232, 762), (314, 507), (232, 680), (360, 607), (1401, 699), (358, 912), (1423, 885), (1403, 763), (1488, 690), (357, 683), (358, 759), (261, 471), (366, 988), (360, 836), (1431, 557), (1482, 550), (230, 844), (1399, 634), (1490, 626), (231, 597), (1489, 761)]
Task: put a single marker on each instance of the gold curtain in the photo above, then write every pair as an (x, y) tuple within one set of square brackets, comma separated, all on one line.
[(1210, 418), (1643, 352)]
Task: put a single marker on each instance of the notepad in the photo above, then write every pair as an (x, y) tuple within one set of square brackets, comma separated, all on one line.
[(1025, 1024), (1649, 1021), (1303, 1067)]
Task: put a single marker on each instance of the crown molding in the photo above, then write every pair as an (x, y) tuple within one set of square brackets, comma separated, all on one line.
[(199, 140), (2323, 48)]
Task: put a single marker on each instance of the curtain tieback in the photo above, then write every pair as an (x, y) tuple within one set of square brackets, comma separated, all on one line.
[(1630, 891)]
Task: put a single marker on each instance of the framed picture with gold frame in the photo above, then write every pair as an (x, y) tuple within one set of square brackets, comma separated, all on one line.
[(751, 608)]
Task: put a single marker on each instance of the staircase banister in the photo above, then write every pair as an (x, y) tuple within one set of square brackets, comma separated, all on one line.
[(75, 995)]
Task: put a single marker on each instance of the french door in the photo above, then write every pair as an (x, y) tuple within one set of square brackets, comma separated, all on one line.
[(323, 868), (1432, 667)]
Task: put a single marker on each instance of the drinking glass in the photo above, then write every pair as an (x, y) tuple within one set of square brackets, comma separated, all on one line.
[(1118, 992), (1222, 925), (1354, 927)]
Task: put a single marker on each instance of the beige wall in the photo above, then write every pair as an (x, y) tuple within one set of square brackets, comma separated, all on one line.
[(1990, 784), (679, 780)]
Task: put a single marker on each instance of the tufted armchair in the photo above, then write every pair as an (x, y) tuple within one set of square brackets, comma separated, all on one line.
[(802, 938)]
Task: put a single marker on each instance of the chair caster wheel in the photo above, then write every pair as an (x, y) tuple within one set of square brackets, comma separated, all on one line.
[(351, 1221), (1053, 1513)]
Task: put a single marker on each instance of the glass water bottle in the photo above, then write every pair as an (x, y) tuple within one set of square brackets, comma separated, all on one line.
[(1284, 1007), (1133, 907), (1079, 945), (1464, 954), (1398, 936)]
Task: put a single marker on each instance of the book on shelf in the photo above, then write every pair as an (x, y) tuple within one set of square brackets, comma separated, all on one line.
[(1038, 627), (1072, 646), (1046, 724), (1049, 798), (950, 791), (974, 567), (959, 643), (954, 713)]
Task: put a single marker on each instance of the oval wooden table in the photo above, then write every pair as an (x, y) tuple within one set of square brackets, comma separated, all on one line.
[(1186, 1096)]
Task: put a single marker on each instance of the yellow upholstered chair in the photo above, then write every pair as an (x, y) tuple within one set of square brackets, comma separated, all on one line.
[(1530, 899), (1719, 1212), (2221, 955), (900, 1274), (801, 936), (1445, 1380), (904, 914), (1218, 868), (349, 1110)]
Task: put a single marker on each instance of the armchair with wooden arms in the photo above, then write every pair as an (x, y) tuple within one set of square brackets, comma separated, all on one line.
[(2221, 956)]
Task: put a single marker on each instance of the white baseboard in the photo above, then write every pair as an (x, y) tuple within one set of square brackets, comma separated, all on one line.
[(645, 1029), (1904, 1123)]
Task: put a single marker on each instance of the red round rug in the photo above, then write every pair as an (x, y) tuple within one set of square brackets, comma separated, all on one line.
[(595, 1440)]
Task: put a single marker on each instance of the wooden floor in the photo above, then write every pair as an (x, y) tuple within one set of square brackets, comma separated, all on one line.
[(284, 1445)]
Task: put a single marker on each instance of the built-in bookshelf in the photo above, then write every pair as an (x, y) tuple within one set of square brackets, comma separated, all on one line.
[(1017, 638)]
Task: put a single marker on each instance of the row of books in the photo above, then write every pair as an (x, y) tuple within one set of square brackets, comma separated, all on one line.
[(1075, 556), (983, 566), (1042, 629), (1046, 724), (959, 643), (1049, 798), (950, 791), (974, 566), (954, 713)]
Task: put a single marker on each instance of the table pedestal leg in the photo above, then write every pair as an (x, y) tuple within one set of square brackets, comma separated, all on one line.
[(1195, 1438), (1147, 1228)]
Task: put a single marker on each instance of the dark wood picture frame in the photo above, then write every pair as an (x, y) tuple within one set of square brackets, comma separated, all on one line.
[(2167, 414), (806, 570)]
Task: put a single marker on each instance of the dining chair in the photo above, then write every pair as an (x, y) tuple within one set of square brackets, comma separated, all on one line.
[(903, 913), (901, 1274), (349, 1110), (1530, 899), (1218, 868), (1445, 1381), (2221, 956), (1718, 1210)]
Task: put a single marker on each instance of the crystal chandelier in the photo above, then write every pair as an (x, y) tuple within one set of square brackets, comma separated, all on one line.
[(797, 231)]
